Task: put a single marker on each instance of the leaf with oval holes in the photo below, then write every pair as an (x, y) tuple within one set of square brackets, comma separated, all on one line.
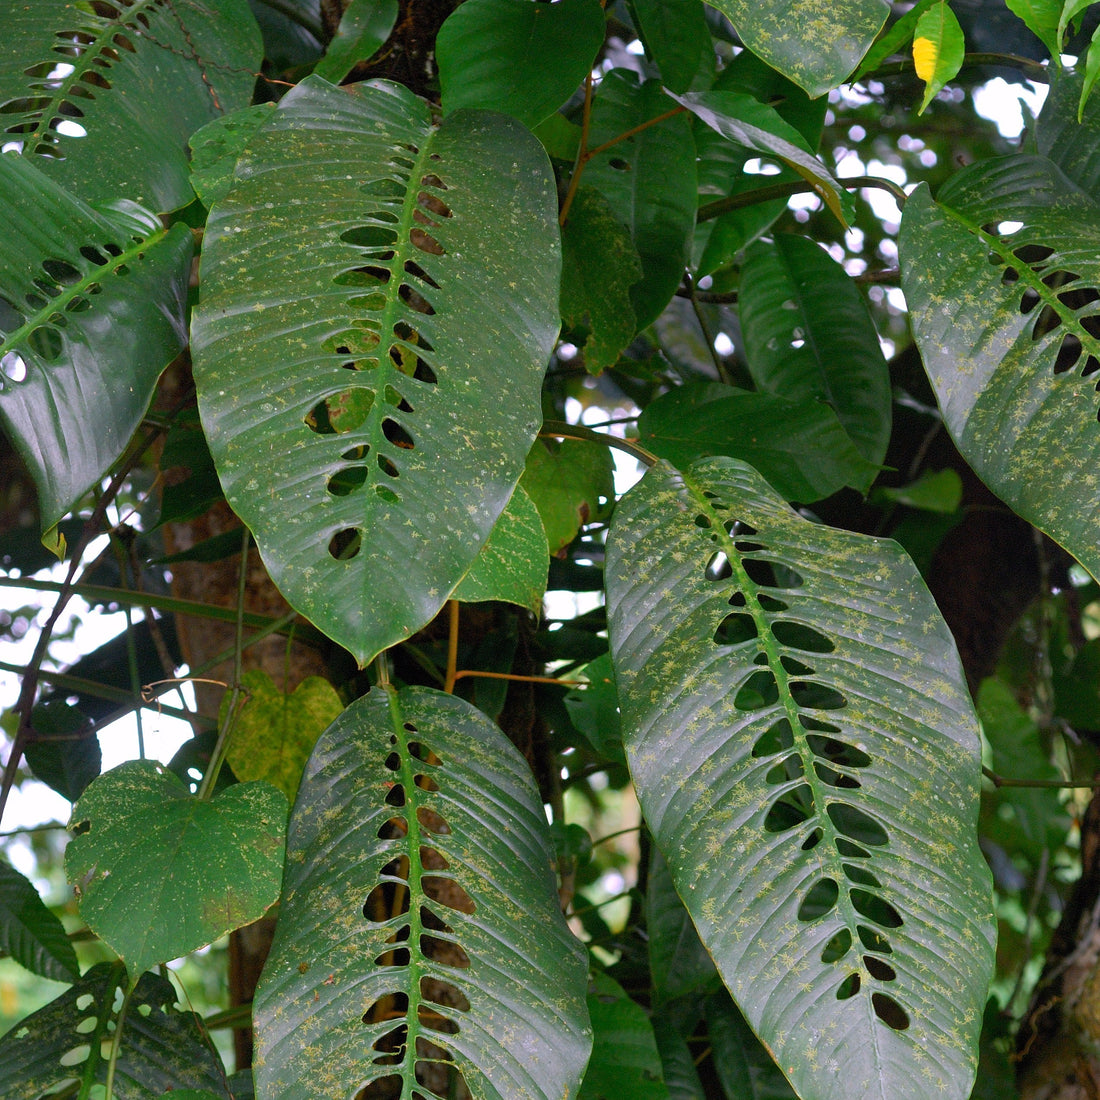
[(513, 563), (275, 731), (369, 423), (91, 311), (1002, 277), (806, 754), (517, 57), (162, 1048), (29, 933), (815, 43), (420, 919), (160, 874), (143, 78)]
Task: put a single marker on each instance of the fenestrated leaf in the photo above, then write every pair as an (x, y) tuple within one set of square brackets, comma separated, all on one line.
[(799, 445), (420, 917), (364, 27), (624, 1060), (569, 482), (649, 180), (808, 333), (370, 422), (91, 311), (142, 80), (800, 735), (816, 44), (160, 874), (275, 731), (513, 563), (677, 38), (69, 1041), (30, 933), (599, 266), (1005, 323), (517, 57)]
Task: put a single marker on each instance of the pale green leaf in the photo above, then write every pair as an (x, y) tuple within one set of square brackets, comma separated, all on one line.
[(1042, 18), (512, 564), (364, 27), (159, 873), (892, 41), (800, 735), (570, 482), (938, 49), (144, 78), (417, 793), (370, 422), (91, 311), (814, 43), (274, 731), (934, 491), (216, 147)]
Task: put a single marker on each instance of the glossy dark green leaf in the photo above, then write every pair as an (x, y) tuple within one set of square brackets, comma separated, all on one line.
[(743, 1065), (1002, 275), (68, 1041), (808, 334), (594, 709), (91, 311), (599, 267), (677, 1062), (364, 27), (514, 56), (624, 1060), (815, 43), (30, 933), (369, 424), (676, 36), (142, 80), (803, 745), (799, 445), (160, 874), (649, 180), (66, 756), (420, 917), (512, 564)]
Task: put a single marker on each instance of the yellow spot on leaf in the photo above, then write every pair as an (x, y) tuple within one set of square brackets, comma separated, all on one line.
[(924, 58)]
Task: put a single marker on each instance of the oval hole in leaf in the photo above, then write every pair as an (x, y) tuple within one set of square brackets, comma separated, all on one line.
[(392, 1004), (770, 603), (772, 574), (776, 738), (874, 940), (432, 821), (848, 988), (718, 567), (345, 544), (860, 875), (759, 690), (875, 908), (820, 900), (890, 1012), (436, 1021), (392, 1047), (735, 629), (853, 851), (785, 771), (790, 810), (451, 894), (816, 696), (795, 668), (398, 956), (432, 947), (857, 824), (835, 778), (813, 840), (879, 970), (837, 947), (443, 993), (796, 636), (837, 752)]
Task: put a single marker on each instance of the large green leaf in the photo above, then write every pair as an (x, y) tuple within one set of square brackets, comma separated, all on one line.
[(815, 43), (138, 82), (649, 180), (1002, 275), (69, 1041), (808, 333), (677, 38), (420, 918), (160, 873), (30, 933), (91, 311), (514, 56), (805, 751), (370, 421)]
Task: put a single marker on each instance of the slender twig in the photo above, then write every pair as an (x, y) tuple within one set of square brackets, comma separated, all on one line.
[(582, 153), (616, 834), (221, 746), (1039, 784), (792, 187), (452, 646), (559, 429), (1029, 923), (116, 1040), (465, 672), (1034, 70)]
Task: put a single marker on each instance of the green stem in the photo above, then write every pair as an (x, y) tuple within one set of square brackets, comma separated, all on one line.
[(999, 781), (559, 429), (116, 1042)]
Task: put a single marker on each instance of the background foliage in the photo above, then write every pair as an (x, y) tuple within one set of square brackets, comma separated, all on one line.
[(612, 474)]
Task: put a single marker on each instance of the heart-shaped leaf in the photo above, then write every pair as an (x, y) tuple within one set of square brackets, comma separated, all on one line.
[(805, 751), (420, 920), (160, 873), (369, 425)]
